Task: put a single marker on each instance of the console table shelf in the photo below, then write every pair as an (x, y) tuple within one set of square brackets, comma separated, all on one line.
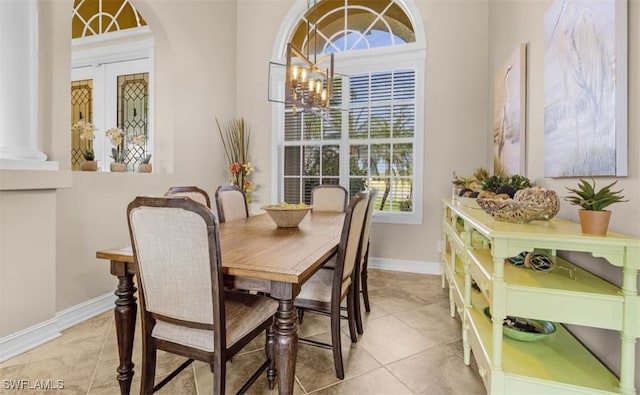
[(476, 247)]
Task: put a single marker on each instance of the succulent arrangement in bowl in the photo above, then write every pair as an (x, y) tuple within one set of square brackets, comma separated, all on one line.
[(506, 185), (482, 184)]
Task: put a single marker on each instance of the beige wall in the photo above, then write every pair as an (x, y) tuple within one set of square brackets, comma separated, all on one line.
[(27, 269), (513, 22)]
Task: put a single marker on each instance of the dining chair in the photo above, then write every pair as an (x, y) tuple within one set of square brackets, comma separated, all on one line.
[(184, 308), (231, 203), (194, 193), (328, 288), (363, 263), (329, 197), (361, 285)]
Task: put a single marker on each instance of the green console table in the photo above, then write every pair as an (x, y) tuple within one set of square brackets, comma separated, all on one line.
[(475, 250)]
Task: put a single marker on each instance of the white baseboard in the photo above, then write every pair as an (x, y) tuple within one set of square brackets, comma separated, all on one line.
[(26, 339), (83, 311), (399, 265)]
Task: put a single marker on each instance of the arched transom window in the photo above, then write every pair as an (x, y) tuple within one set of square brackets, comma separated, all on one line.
[(347, 25), (373, 134), (91, 17)]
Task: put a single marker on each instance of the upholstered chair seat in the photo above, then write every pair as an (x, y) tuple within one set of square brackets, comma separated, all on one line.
[(243, 312)]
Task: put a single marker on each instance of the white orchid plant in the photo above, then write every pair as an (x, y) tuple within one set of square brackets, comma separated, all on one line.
[(86, 131), (119, 152)]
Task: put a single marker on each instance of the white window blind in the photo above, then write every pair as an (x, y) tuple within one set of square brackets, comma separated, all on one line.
[(368, 142)]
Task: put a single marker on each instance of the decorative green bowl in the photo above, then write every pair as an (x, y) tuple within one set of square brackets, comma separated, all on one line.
[(524, 329)]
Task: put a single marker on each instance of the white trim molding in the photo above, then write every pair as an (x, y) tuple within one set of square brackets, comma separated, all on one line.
[(26, 339), (83, 311), (36, 335), (399, 265)]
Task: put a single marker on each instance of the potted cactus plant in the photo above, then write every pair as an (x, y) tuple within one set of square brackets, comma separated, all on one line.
[(594, 219)]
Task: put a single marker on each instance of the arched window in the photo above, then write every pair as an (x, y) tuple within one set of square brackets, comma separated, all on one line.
[(352, 25), (91, 17), (374, 132)]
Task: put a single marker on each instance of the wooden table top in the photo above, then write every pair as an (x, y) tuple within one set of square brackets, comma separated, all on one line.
[(256, 248)]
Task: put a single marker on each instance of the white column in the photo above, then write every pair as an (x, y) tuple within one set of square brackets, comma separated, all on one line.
[(19, 82)]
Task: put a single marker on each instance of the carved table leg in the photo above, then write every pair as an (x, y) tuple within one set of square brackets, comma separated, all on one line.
[(125, 317), (286, 328)]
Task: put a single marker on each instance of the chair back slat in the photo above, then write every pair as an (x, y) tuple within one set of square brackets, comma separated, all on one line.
[(175, 244), (328, 197)]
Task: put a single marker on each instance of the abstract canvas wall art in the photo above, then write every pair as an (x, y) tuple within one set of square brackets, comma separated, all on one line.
[(509, 138), (585, 87)]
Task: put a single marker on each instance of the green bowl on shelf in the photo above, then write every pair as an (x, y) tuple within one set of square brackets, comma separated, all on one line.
[(524, 329)]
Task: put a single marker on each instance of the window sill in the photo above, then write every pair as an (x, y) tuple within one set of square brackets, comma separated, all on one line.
[(30, 179)]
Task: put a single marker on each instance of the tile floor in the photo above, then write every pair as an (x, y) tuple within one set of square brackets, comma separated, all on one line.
[(410, 345)]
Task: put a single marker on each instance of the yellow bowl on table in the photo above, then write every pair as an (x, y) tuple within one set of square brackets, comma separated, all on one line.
[(287, 215)]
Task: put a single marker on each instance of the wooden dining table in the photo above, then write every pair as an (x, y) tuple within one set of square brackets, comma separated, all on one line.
[(256, 255)]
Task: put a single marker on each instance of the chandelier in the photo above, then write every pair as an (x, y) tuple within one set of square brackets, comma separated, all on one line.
[(308, 83)]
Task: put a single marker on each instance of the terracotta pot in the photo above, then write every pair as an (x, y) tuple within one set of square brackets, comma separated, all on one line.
[(89, 165), (144, 168), (594, 222), (118, 167)]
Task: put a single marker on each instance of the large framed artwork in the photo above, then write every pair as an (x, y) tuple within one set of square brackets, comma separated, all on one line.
[(509, 138), (585, 88)]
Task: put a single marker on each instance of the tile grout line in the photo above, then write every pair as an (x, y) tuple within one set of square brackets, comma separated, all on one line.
[(104, 343), (350, 378), (304, 390), (399, 380), (195, 378)]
